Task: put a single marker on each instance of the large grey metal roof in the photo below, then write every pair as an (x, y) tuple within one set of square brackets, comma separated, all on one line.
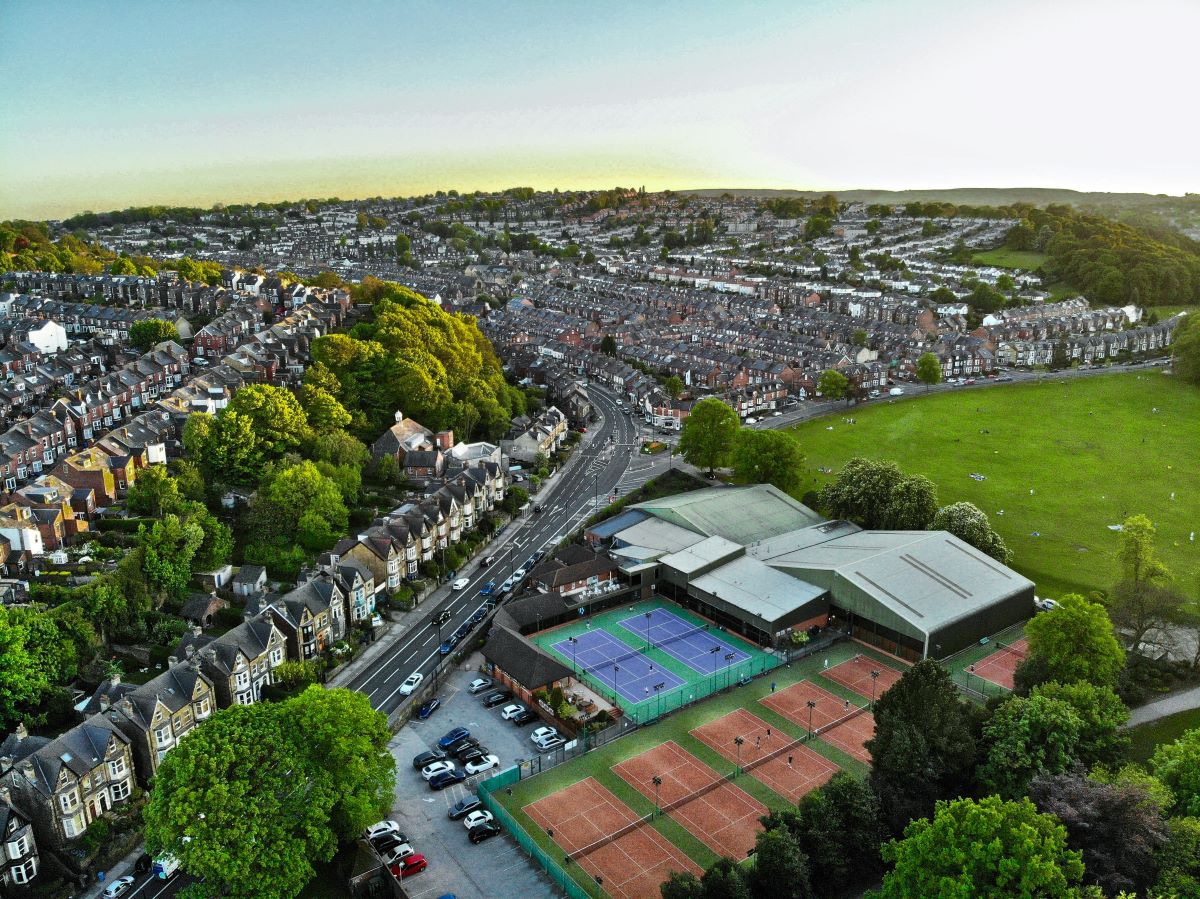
[(740, 514), (757, 588), (702, 554), (656, 534)]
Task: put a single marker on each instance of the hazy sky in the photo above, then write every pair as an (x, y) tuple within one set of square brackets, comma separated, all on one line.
[(109, 104)]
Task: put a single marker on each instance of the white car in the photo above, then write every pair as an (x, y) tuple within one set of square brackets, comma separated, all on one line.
[(118, 887), (751, 420), (543, 733), (479, 685), (506, 586), (480, 817), (379, 828), (411, 683), (776, 414), (397, 853), (460, 584), (511, 711), (431, 771), (550, 743), (487, 763)]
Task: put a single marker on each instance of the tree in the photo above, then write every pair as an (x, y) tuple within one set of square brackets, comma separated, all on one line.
[(709, 433), (514, 499), (929, 369), (299, 502), (151, 332), (225, 448), (1075, 642), (725, 879), (1185, 350), (1119, 829), (879, 495), (1102, 717), (216, 548), (987, 848), (1177, 765), (1141, 601), (153, 492), (608, 345), (325, 414), (188, 479), (1025, 737), (168, 547), (276, 417), (924, 748), (287, 778), (22, 681), (912, 504), (833, 384), (681, 885), (673, 386), (768, 457), (780, 867), (1179, 860), (970, 524), (859, 338)]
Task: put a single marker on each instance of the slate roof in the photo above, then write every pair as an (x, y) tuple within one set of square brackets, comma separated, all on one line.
[(522, 660)]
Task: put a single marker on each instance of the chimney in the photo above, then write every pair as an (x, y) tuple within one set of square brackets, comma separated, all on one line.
[(399, 416), (20, 732), (197, 630), (444, 440)]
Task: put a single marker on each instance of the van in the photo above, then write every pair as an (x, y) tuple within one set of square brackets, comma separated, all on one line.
[(896, 391)]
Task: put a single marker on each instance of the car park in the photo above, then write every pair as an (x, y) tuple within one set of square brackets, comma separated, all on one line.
[(464, 806), (118, 887), (411, 683), (445, 779), (488, 589), (494, 699), (478, 817), (431, 771), (523, 718), (484, 831), (460, 584), (429, 708), (511, 711), (421, 761), (479, 685), (414, 864), (543, 733), (379, 828), (481, 764)]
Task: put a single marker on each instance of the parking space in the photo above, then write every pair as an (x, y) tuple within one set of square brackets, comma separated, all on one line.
[(495, 868)]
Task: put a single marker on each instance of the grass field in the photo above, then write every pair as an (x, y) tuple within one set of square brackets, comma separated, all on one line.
[(1165, 312), (1091, 450), (1005, 258), (599, 764), (1145, 739)]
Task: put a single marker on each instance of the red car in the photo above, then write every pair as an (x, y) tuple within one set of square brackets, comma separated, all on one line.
[(414, 864)]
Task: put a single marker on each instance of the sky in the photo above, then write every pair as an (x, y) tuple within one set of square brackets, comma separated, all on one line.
[(108, 105)]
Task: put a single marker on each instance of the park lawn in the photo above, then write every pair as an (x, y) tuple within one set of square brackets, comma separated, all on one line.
[(1148, 737), (1006, 258), (1165, 312), (1091, 449)]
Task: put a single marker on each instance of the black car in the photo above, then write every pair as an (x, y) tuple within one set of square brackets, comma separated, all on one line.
[(445, 779), (522, 718), (386, 842), (494, 699), (462, 743), (462, 631), (429, 708), (441, 617), (483, 831), (471, 753), (428, 758), (479, 615), (463, 807), (539, 555)]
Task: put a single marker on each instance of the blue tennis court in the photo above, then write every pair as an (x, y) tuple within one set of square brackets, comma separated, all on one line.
[(617, 665), (697, 647)]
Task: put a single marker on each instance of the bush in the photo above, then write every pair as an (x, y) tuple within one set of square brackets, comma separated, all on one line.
[(95, 836)]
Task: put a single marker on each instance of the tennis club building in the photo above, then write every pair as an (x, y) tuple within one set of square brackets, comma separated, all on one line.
[(762, 564)]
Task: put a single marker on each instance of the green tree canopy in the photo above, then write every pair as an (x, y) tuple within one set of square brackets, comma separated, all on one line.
[(970, 524), (152, 331), (1143, 599), (986, 849), (768, 457), (1102, 717), (168, 548), (276, 417), (153, 492), (780, 869), (1075, 642), (709, 434), (1185, 350), (879, 495), (298, 502), (1025, 737), (673, 386), (832, 384), (929, 369), (1177, 765)]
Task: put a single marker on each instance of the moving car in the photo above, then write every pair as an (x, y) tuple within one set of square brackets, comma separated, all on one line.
[(441, 617), (429, 708), (379, 828), (460, 584), (487, 589), (494, 699), (478, 817), (118, 887), (421, 761), (464, 806), (511, 711), (523, 718), (414, 864), (445, 779), (479, 685), (453, 736), (484, 831), (537, 508), (486, 561), (483, 763), (543, 733), (431, 771), (411, 683)]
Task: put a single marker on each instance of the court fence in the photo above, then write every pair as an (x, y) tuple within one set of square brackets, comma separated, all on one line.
[(963, 665)]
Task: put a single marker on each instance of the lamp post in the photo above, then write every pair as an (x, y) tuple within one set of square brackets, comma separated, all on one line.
[(658, 692), (812, 704), (657, 781), (729, 657), (874, 678), (647, 631), (574, 640), (738, 741), (970, 671)]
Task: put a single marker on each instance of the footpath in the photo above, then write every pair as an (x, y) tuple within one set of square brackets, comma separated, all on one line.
[(1183, 701)]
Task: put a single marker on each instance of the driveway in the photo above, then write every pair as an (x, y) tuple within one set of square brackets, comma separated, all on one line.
[(495, 869)]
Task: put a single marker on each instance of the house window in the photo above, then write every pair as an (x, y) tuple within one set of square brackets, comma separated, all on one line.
[(26, 871), (242, 680), (72, 826), (69, 801), (244, 699), (276, 656), (17, 848), (121, 791), (203, 709), (116, 768), (162, 736)]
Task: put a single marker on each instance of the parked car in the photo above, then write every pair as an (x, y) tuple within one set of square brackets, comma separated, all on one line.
[(446, 647), (388, 842), (453, 736), (379, 828), (118, 887), (506, 586), (464, 806), (478, 817), (550, 743), (421, 761), (479, 685), (523, 718), (479, 614), (484, 831), (429, 708), (431, 771), (494, 699), (472, 754), (414, 864), (465, 746), (411, 683), (460, 584), (488, 588), (397, 854), (511, 711), (445, 779), (483, 763), (543, 733)]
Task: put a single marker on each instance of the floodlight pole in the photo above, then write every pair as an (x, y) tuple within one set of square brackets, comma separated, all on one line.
[(647, 632), (657, 783), (738, 741), (573, 640), (812, 704), (874, 678)]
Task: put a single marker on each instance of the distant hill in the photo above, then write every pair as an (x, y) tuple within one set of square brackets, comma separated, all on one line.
[(967, 196)]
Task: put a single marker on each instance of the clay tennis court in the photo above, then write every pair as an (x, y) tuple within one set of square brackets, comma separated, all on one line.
[(855, 674), (1001, 665), (793, 772), (631, 866), (850, 735), (724, 817), (838, 722)]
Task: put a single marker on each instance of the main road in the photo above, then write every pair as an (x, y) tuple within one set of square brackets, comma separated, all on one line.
[(574, 493)]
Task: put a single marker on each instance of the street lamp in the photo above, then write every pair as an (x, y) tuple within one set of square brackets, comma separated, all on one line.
[(738, 741), (658, 692), (970, 671), (657, 783), (647, 631), (812, 704), (874, 678), (729, 657), (573, 641)]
